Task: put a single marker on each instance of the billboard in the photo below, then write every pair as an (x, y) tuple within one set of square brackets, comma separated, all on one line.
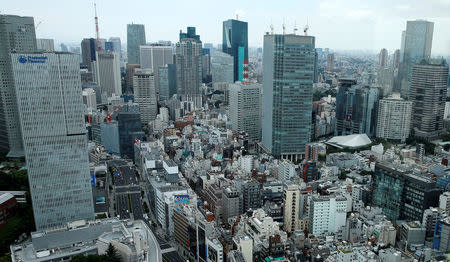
[(181, 199)]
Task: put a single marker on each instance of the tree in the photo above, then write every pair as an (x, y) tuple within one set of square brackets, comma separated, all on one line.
[(111, 254)]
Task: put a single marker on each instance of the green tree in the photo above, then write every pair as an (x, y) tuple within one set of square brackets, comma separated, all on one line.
[(111, 254)]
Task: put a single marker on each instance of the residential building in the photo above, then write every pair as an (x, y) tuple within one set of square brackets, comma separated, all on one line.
[(287, 97), (50, 104), (17, 34), (106, 70), (444, 202), (291, 204), (245, 109), (327, 214), (235, 43), (428, 94), (135, 38), (188, 60), (145, 94), (232, 205), (394, 118)]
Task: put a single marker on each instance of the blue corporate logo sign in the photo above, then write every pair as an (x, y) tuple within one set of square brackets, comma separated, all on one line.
[(32, 59)]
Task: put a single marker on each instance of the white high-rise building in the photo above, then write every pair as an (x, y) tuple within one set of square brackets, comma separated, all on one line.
[(394, 118), (444, 202), (16, 34), (90, 98), (107, 72), (286, 170), (145, 94), (245, 109), (50, 104), (47, 45), (327, 214)]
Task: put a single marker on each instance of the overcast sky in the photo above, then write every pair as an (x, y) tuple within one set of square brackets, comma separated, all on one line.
[(336, 24)]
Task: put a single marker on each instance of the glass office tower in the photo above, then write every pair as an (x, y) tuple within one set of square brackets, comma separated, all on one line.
[(50, 104), (235, 43), (135, 38), (287, 94)]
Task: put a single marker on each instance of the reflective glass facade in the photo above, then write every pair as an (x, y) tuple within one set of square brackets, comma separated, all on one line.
[(287, 94), (235, 43), (135, 38)]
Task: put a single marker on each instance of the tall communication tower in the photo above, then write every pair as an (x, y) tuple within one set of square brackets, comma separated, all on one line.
[(99, 44)]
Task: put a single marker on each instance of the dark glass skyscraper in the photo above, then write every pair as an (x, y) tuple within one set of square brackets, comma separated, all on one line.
[(135, 38), (88, 48), (356, 108), (235, 43)]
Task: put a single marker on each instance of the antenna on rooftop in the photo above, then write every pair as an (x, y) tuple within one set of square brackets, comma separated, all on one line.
[(99, 44), (295, 28), (305, 30)]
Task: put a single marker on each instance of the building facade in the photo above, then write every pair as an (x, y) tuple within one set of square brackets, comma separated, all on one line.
[(356, 108), (45, 44), (48, 89), (188, 60), (153, 57), (145, 94), (287, 94), (245, 109), (428, 94), (383, 58), (235, 43), (394, 118), (402, 195), (416, 44), (135, 38), (88, 50), (16, 34), (107, 72), (222, 67)]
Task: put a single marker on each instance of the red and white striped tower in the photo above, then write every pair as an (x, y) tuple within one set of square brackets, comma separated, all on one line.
[(99, 44)]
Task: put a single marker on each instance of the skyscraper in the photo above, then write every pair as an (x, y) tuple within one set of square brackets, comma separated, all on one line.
[(167, 81), (50, 104), (235, 43), (396, 59), (356, 108), (116, 45), (106, 71), (16, 35), (394, 118), (417, 45), (385, 80), (154, 56), (383, 58), (188, 60), (428, 94), (145, 94), (287, 94), (245, 109), (88, 49), (135, 38), (222, 68), (330, 62)]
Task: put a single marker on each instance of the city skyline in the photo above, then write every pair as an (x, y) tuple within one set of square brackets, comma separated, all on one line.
[(337, 24)]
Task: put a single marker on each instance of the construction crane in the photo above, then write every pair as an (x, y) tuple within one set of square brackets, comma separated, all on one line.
[(306, 28), (37, 25), (99, 44)]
